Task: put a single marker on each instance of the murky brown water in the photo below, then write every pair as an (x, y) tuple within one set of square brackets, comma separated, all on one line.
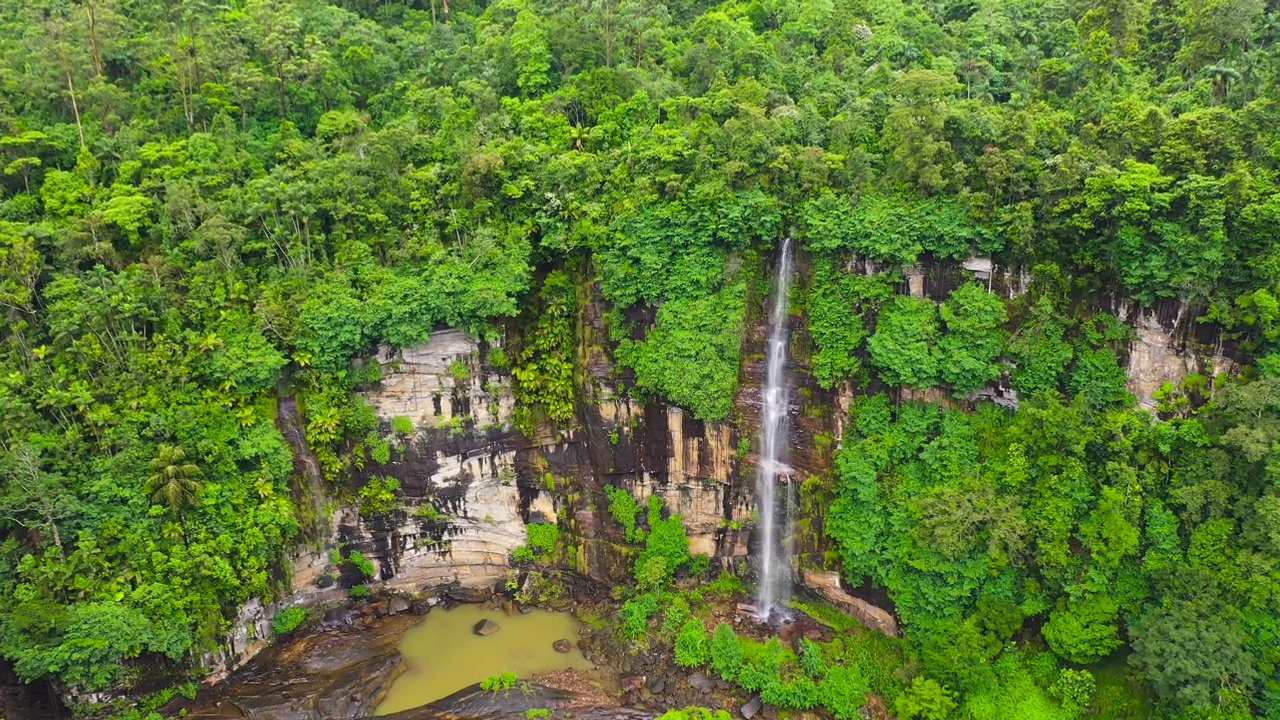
[(443, 655)]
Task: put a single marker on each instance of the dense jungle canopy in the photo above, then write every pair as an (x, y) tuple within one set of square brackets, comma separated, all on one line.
[(206, 205)]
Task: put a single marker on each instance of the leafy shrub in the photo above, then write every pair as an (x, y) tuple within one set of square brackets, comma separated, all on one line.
[(522, 554), (360, 591), (668, 541), (288, 619), (725, 652), (499, 682), (543, 537), (812, 659), (402, 424), (635, 614), (458, 371), (379, 495), (1074, 688), (691, 644), (624, 507), (842, 691), (925, 700), (363, 564), (537, 714)]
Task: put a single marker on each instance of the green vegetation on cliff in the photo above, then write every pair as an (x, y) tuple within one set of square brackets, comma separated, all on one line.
[(207, 207)]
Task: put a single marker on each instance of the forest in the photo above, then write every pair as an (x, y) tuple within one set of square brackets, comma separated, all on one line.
[(206, 206)]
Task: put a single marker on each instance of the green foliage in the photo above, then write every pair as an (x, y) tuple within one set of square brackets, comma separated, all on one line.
[(692, 353), (288, 619), (834, 309), (537, 714), (1074, 689), (973, 339), (1084, 631), (725, 652), (542, 378), (904, 347), (543, 537), (378, 495), (635, 614), (695, 713), (624, 507), (925, 699), (361, 563), (499, 682), (691, 644)]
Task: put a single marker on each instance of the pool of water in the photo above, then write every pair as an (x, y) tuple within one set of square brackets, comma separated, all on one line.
[(442, 655)]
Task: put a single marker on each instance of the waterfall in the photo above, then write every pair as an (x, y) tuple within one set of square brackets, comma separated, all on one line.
[(775, 543)]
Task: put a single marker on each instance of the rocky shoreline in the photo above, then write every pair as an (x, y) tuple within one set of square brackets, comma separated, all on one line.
[(339, 666)]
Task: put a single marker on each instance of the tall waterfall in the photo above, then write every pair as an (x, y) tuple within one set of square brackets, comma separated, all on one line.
[(775, 542)]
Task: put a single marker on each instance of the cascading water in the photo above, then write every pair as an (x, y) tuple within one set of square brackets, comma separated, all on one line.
[(775, 547)]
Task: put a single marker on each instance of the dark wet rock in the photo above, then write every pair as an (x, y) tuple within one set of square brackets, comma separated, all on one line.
[(562, 646), (397, 606), (586, 631), (769, 712), (700, 682), (526, 609), (476, 704), (751, 709), (466, 595), (657, 685), (509, 608), (485, 627), (320, 677), (632, 683), (722, 685), (421, 607)]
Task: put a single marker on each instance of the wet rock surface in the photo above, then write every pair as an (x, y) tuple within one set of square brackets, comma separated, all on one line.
[(485, 627), (331, 675)]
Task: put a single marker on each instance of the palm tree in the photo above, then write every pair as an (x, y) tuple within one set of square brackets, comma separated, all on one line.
[(173, 481)]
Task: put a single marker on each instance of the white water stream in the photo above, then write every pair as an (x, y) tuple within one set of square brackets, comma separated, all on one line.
[(773, 477)]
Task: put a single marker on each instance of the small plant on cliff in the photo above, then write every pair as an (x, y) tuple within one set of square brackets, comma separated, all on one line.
[(402, 425), (537, 714), (624, 507), (378, 495), (497, 683), (288, 619), (458, 371), (360, 591), (543, 538), (363, 564)]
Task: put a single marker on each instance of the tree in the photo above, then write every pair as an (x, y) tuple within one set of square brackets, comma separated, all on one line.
[(973, 339), (1191, 652), (173, 481), (33, 498), (904, 347), (1084, 631)]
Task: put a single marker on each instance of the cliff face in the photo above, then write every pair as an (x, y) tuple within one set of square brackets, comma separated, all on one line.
[(470, 482)]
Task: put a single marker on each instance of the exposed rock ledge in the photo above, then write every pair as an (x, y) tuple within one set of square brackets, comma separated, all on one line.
[(827, 584)]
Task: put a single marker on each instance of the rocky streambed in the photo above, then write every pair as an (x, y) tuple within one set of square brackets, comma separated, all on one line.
[(341, 667)]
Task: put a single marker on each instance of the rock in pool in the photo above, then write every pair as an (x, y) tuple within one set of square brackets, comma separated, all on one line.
[(485, 627), (561, 646)]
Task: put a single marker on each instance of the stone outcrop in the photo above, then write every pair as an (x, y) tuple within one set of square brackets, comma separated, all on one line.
[(1168, 346), (827, 584)]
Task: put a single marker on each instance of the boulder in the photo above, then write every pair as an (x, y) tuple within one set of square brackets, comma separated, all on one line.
[(485, 627), (751, 709), (562, 646), (397, 606), (466, 594), (657, 685), (700, 682)]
